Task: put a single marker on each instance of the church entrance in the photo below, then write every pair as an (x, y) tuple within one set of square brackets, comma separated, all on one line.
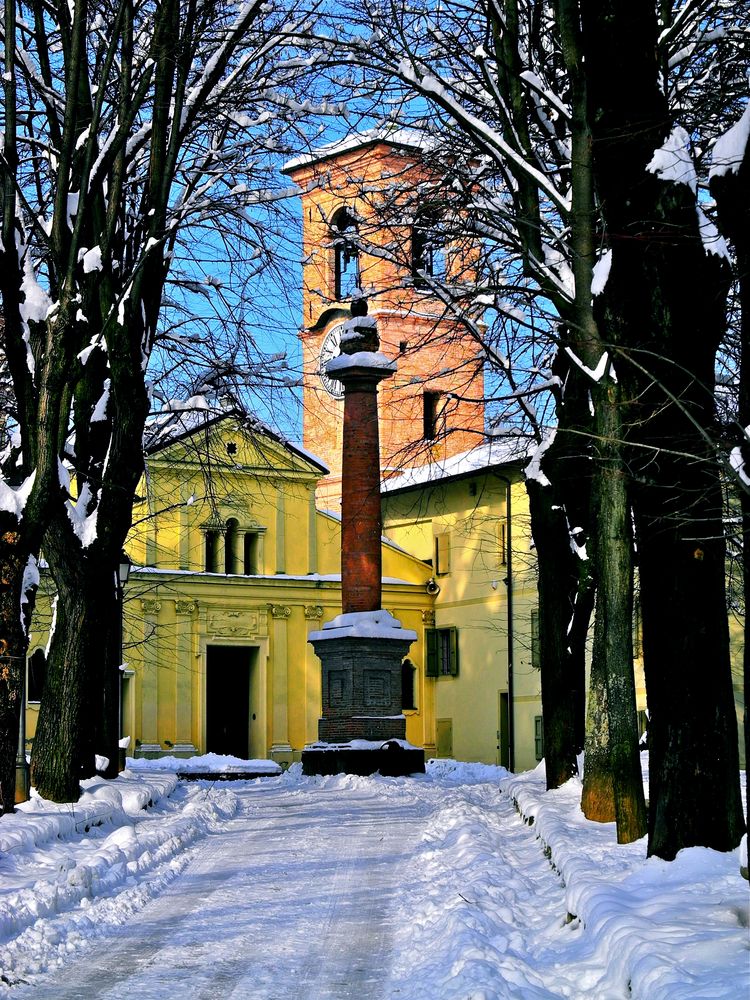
[(228, 708)]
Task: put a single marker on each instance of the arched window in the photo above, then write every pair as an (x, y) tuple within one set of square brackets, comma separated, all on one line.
[(212, 551), (427, 248), (230, 546), (346, 254)]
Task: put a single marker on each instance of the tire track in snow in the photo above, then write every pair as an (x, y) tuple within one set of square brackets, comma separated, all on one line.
[(297, 892)]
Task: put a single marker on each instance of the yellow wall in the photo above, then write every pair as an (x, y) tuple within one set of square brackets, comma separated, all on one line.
[(473, 598), (175, 611)]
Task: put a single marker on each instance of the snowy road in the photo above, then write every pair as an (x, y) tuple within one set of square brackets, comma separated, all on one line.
[(294, 900), (346, 888)]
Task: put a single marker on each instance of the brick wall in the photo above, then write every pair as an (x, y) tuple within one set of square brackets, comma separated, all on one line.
[(433, 354)]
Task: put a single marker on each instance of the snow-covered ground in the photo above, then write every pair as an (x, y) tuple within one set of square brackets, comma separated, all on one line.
[(463, 884)]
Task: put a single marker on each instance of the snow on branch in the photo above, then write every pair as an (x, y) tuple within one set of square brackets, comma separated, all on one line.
[(730, 149), (737, 460), (604, 366), (12, 500), (488, 138), (83, 523), (673, 162), (534, 469)]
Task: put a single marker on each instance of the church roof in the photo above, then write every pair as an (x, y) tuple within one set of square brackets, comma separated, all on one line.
[(182, 420), (493, 453)]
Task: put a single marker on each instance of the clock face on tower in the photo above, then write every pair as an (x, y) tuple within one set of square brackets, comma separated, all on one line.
[(329, 349)]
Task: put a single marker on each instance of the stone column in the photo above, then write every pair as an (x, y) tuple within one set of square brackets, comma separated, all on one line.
[(281, 749), (361, 521), (185, 611), (149, 686)]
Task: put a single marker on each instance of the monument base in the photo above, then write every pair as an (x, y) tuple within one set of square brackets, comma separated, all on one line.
[(362, 729), (391, 759)]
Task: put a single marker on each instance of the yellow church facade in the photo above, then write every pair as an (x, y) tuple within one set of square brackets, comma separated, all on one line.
[(238, 566), (234, 565)]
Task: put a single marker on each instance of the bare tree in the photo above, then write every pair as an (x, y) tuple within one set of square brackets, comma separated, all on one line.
[(565, 147), (138, 137)]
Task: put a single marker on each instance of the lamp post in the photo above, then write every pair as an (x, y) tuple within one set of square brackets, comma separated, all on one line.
[(123, 573)]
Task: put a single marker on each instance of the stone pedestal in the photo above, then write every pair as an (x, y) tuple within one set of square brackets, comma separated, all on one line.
[(362, 729), (361, 655)]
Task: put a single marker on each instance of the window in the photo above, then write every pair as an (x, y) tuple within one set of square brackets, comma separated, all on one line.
[(442, 553), (230, 546), (212, 551), (430, 413), (536, 653), (427, 248), (538, 737), (408, 676), (37, 675), (442, 652), (346, 255)]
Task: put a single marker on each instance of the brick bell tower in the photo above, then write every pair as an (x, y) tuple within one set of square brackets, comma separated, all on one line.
[(367, 224)]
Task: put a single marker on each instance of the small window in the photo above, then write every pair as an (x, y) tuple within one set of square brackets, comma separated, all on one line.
[(538, 737), (231, 447), (427, 249), (408, 677), (442, 553), (536, 653), (230, 545), (212, 551), (37, 675), (442, 652), (430, 413), (502, 542), (346, 255)]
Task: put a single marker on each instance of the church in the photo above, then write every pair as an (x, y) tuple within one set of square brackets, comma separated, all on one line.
[(235, 546)]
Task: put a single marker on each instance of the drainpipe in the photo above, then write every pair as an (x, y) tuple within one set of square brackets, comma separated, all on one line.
[(508, 581)]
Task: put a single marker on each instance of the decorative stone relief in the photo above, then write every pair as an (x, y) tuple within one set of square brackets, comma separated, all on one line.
[(279, 610), (428, 617), (185, 607), (313, 611), (236, 622), (150, 606), (233, 502)]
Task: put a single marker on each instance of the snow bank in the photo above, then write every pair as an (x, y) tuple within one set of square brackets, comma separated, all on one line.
[(207, 762), (662, 930), (64, 865), (504, 890)]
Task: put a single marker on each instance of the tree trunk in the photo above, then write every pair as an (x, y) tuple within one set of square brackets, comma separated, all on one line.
[(732, 193), (613, 640), (598, 796), (664, 308), (13, 647), (557, 588), (564, 581), (83, 655)]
